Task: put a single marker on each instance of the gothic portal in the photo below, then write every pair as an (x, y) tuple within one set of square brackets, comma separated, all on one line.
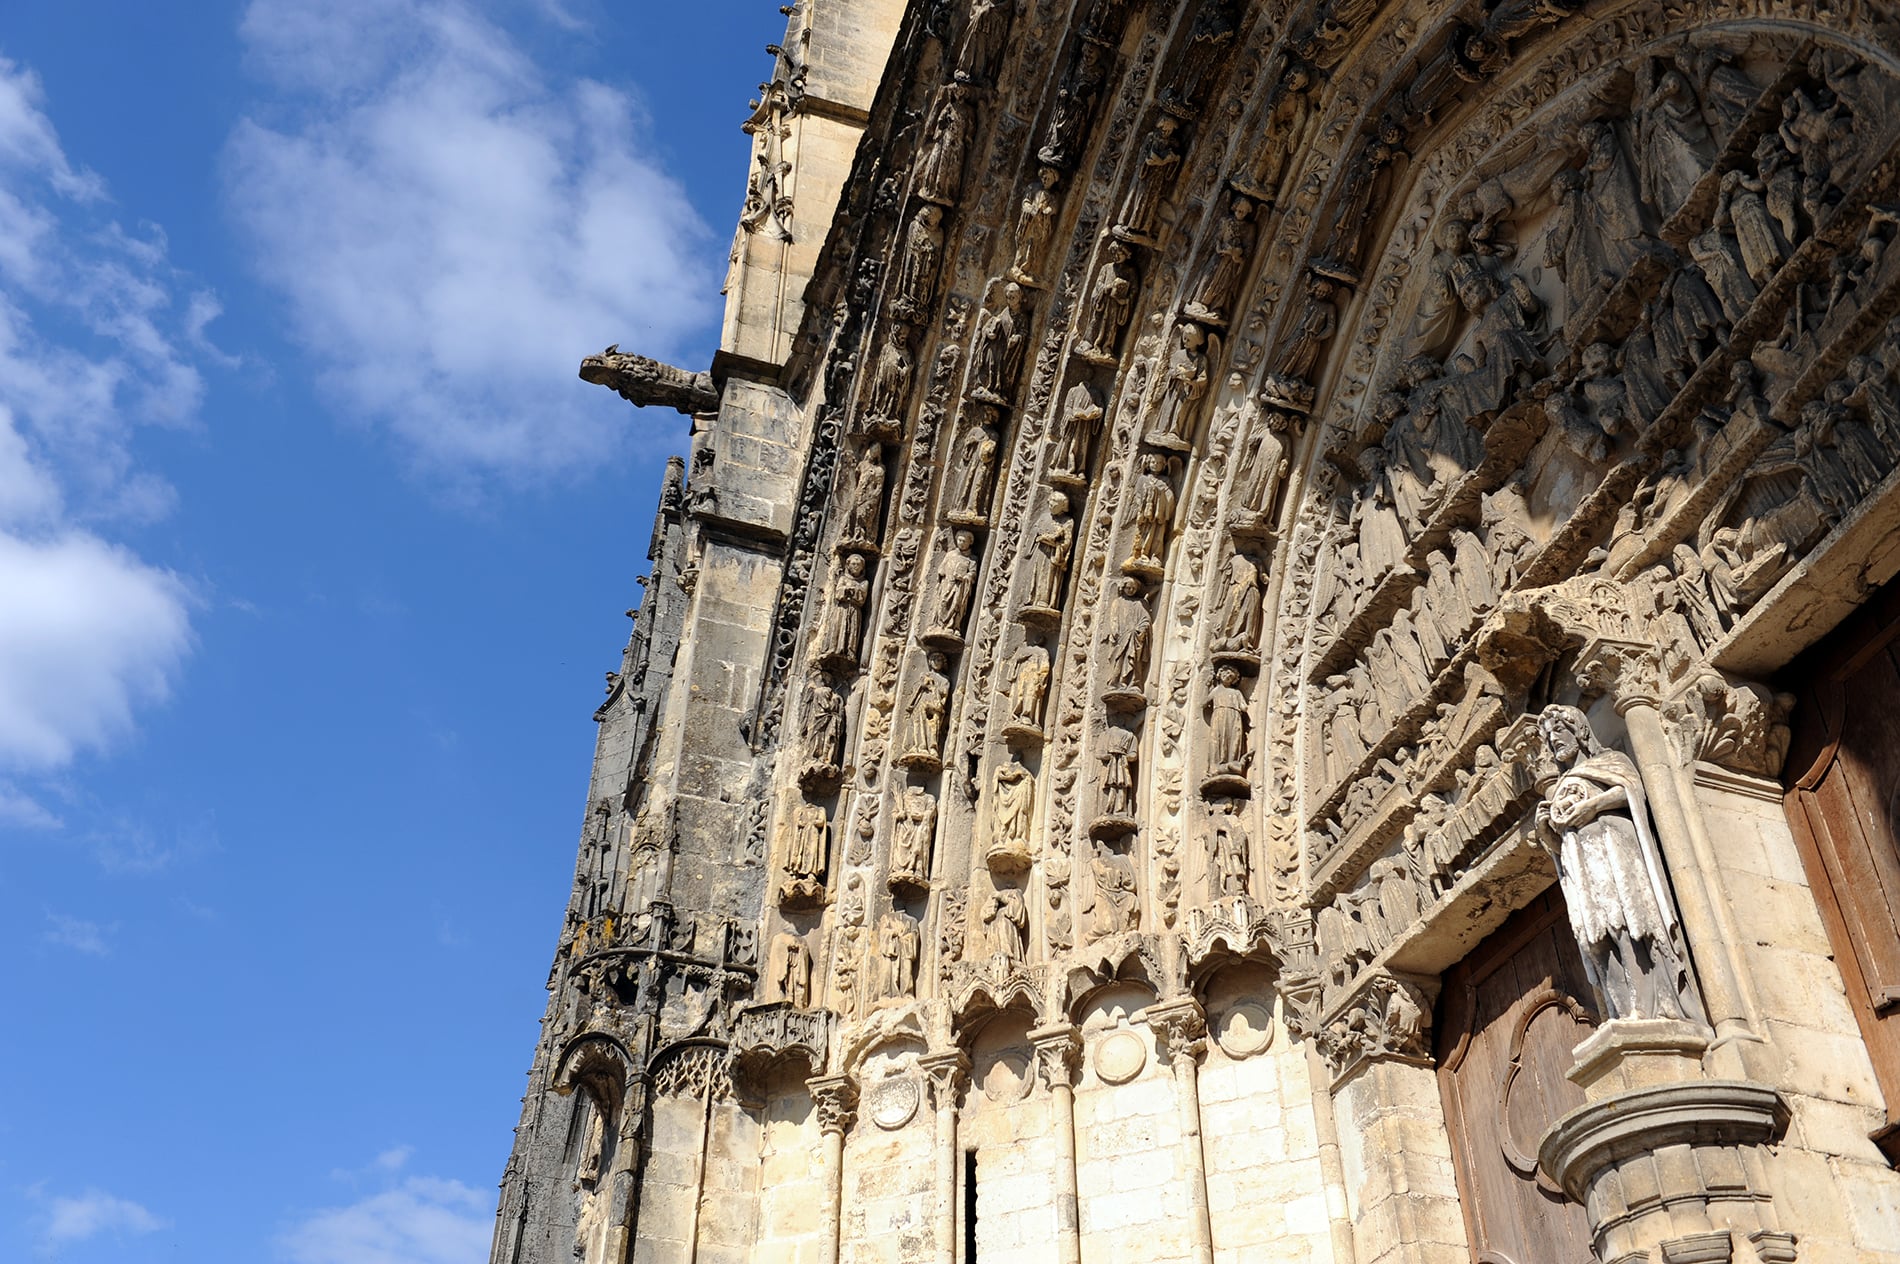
[(1275, 645)]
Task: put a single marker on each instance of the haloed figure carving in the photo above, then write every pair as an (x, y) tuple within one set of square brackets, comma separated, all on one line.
[(1596, 819)]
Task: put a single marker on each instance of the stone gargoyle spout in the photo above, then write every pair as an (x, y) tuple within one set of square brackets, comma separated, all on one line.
[(641, 381)]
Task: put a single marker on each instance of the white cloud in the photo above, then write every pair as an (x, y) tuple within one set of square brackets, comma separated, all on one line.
[(420, 1221), (68, 1221), (89, 632), (78, 934), (453, 231)]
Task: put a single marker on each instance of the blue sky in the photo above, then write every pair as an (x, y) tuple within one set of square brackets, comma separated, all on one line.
[(313, 551)]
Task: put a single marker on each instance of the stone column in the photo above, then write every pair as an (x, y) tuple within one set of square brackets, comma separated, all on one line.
[(1058, 1048), (1182, 1024), (947, 1072), (836, 1097)]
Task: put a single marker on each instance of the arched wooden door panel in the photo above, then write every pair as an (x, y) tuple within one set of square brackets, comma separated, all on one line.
[(1510, 1015)]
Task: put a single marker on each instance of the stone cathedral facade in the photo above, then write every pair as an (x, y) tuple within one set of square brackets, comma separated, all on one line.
[(1275, 644)]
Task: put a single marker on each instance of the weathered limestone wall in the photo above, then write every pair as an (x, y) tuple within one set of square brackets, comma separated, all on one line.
[(890, 1166), (791, 1184), (1129, 1170), (1400, 1186)]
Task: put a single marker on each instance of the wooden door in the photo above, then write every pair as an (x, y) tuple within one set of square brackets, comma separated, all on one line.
[(1509, 1016), (1843, 779)]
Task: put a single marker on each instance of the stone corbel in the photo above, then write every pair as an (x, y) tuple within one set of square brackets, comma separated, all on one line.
[(1386, 1018), (1731, 723), (776, 1035)]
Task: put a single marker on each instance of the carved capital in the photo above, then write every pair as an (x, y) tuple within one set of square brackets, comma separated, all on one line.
[(1735, 724), (1630, 672), (948, 1072), (1387, 1018), (1058, 1053), (1182, 1025), (836, 1097)]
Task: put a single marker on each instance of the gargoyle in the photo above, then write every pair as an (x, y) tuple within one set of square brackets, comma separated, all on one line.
[(641, 381)]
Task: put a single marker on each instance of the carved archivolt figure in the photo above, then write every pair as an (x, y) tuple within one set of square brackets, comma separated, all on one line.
[(1228, 753), (1240, 606), (1207, 43), (1128, 627), (1075, 105), (1220, 279), (791, 969), (1120, 756), (1319, 320), (867, 498), (823, 727), (998, 357), (1111, 301), (890, 381), (984, 31), (1674, 140), (1160, 156), (924, 713), (805, 859), (1117, 903), (1596, 818), (1154, 514), (1183, 386), (940, 163), (1028, 683), (1034, 225), (923, 248), (1228, 851), (1617, 239), (1743, 207), (1075, 433), (1007, 916), (897, 945), (970, 478), (910, 846), (839, 635), (1012, 810), (956, 582), (1055, 542)]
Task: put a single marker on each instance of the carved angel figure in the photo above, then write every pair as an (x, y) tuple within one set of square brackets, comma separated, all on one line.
[(1596, 819)]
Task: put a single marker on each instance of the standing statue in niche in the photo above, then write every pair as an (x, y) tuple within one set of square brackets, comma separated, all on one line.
[(984, 30), (1012, 810), (910, 844), (1319, 320), (867, 499), (1111, 302), (823, 729), (1074, 106), (1117, 905), (791, 969), (1220, 279), (1229, 844), (924, 714), (1154, 514), (1595, 819), (1075, 434), (897, 945), (1007, 916), (1129, 624), (1055, 542), (1120, 757), (890, 382), (1028, 683), (1160, 156), (1240, 606), (998, 358), (956, 582), (917, 273), (840, 633), (940, 164), (969, 486), (1207, 43), (1228, 755), (1182, 387), (1034, 225)]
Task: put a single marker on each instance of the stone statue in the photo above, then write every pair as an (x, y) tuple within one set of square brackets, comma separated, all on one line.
[(1007, 916), (823, 730), (1129, 624), (1182, 387), (1012, 810), (1207, 43), (897, 945), (866, 505), (791, 969), (1028, 683), (984, 30), (956, 582), (1673, 140), (1034, 225), (1117, 903), (969, 485), (998, 356), (1154, 514), (1055, 542), (1081, 417), (1220, 278), (890, 382), (1228, 754), (910, 843), (1120, 757), (1319, 320), (1075, 105), (1742, 207), (1228, 864), (805, 859), (1155, 167), (924, 714), (917, 271), (1595, 818), (946, 141), (840, 630), (1111, 301), (1617, 238), (1240, 605)]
